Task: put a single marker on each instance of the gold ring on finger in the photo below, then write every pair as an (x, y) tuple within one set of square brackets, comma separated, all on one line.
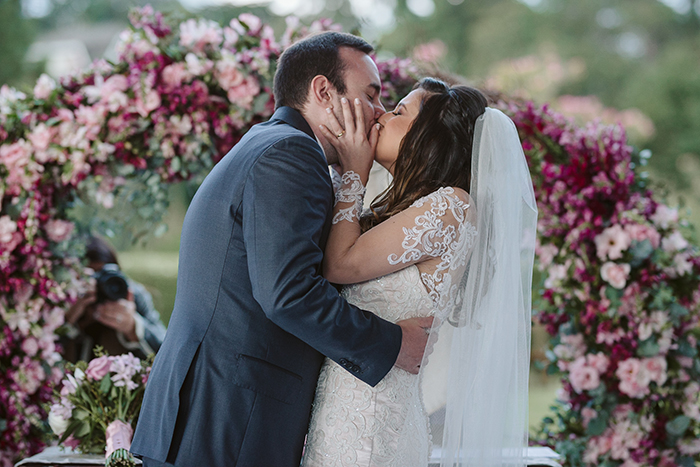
[(339, 135)]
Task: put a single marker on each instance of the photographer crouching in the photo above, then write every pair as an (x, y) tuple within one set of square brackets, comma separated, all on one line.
[(117, 314)]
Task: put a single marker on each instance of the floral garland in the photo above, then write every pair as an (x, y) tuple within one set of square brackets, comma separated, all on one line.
[(620, 279), (620, 299)]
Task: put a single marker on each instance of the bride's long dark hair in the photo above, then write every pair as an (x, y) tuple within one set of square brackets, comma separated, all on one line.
[(436, 151)]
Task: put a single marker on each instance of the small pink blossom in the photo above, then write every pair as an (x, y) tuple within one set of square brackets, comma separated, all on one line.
[(200, 33), (244, 93), (30, 346), (639, 233), (148, 103), (7, 229), (40, 137), (656, 367), (582, 376), (615, 274), (59, 230), (253, 23), (175, 74)]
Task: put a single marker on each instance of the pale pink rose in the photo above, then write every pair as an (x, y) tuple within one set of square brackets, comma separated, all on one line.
[(41, 136), (115, 83), (7, 229), (583, 377), (30, 346), (175, 74), (674, 242), (230, 37), (615, 274), (598, 361), (640, 233), (197, 66), (65, 115), (59, 230), (44, 86), (98, 368), (228, 74), (634, 379), (664, 216), (244, 93), (588, 414), (148, 103), (612, 242), (656, 367)]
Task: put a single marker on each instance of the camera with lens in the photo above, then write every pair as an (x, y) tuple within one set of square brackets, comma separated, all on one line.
[(111, 284)]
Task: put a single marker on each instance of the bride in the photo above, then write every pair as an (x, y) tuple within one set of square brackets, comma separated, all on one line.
[(452, 237)]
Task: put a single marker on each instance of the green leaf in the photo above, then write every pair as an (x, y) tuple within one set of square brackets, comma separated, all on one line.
[(640, 251), (684, 348), (678, 426), (80, 414), (648, 348), (82, 430), (663, 298), (685, 461), (597, 426), (677, 311), (105, 384)]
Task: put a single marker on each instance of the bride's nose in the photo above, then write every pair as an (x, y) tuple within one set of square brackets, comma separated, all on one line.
[(384, 118)]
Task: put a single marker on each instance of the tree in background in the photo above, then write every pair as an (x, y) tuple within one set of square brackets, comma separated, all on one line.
[(16, 34)]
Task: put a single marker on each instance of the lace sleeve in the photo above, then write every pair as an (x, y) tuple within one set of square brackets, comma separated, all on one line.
[(434, 227)]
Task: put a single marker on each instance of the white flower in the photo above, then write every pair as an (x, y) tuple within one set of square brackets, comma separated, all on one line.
[(674, 242), (57, 423), (664, 216), (44, 86)]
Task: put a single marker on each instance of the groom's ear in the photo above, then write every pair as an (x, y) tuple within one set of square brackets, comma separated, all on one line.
[(321, 92)]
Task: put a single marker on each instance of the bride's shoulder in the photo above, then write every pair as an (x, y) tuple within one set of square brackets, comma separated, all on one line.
[(452, 196)]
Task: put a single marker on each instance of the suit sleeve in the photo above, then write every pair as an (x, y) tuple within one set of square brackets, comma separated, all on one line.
[(286, 201)]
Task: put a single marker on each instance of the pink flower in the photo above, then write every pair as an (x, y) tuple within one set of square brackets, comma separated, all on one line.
[(198, 34), (71, 442), (59, 230), (41, 136), (98, 368), (253, 23), (7, 229), (612, 242), (634, 380), (244, 93), (30, 346), (656, 367), (639, 233), (175, 74), (689, 447), (227, 72), (44, 86), (598, 361), (124, 368), (148, 103), (582, 376), (615, 274)]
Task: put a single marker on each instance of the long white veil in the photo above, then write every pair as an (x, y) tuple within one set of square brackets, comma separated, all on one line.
[(475, 381)]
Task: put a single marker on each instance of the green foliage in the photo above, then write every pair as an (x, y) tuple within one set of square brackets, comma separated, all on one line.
[(16, 34)]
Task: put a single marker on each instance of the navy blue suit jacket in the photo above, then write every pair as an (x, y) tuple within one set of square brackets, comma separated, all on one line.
[(233, 382)]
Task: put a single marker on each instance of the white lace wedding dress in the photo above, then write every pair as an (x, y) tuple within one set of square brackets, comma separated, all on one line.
[(354, 424)]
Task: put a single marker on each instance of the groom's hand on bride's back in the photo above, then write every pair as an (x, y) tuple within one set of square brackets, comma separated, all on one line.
[(414, 338)]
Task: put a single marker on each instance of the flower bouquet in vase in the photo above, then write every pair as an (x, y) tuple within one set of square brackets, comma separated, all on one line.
[(98, 405)]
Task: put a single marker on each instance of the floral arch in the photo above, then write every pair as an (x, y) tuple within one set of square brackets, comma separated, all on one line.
[(619, 282)]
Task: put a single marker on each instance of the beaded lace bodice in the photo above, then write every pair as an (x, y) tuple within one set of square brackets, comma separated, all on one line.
[(354, 424)]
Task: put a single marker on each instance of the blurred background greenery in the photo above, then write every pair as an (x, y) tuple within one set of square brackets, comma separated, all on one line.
[(631, 61)]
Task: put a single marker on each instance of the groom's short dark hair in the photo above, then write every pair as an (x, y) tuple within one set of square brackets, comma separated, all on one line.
[(318, 54)]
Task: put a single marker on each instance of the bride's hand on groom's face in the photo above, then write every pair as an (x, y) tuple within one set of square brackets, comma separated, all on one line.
[(355, 148)]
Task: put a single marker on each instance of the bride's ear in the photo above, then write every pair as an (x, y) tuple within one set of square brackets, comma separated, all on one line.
[(321, 92)]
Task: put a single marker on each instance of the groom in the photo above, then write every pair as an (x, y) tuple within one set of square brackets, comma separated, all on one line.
[(233, 383)]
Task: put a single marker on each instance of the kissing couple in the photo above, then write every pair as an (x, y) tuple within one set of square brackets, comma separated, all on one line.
[(423, 353)]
